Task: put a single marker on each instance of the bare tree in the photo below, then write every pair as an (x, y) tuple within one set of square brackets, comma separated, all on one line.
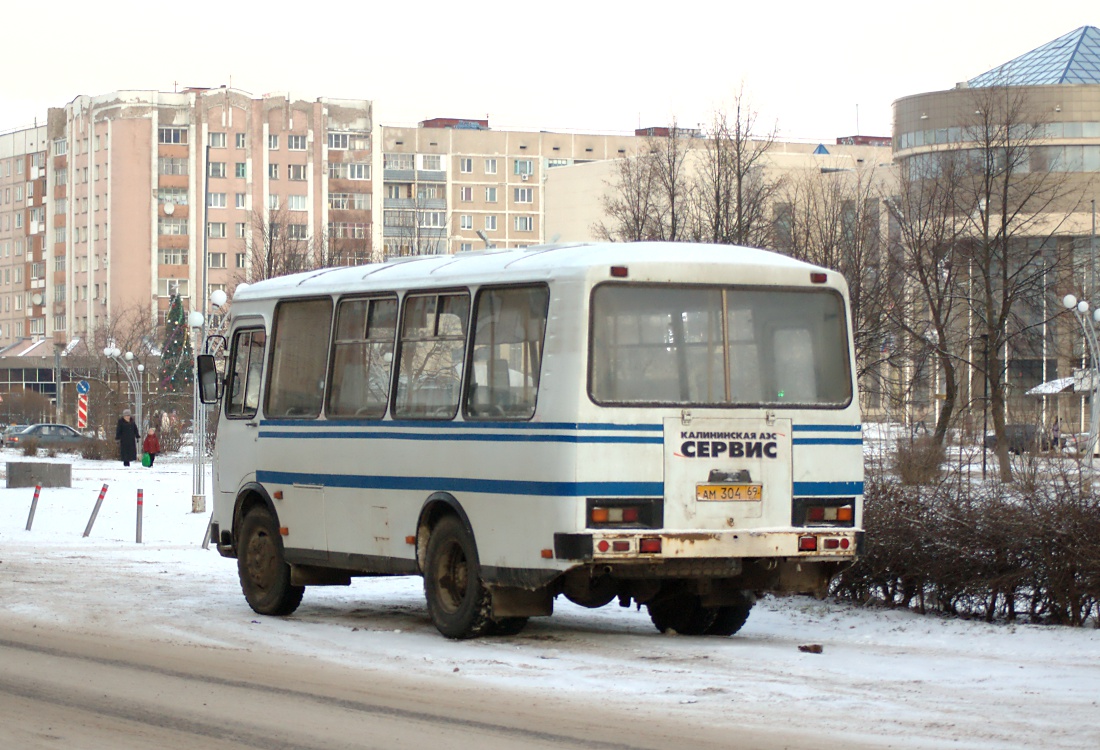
[(834, 220), (930, 294), (630, 201), (1013, 206), (278, 246), (733, 192), (419, 227)]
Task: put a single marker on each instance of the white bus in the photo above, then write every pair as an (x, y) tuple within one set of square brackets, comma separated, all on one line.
[(672, 425)]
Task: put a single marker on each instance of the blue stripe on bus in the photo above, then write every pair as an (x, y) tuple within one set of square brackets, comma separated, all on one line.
[(826, 428), (460, 437), (818, 489), (451, 425), (460, 484), (518, 487), (827, 441)]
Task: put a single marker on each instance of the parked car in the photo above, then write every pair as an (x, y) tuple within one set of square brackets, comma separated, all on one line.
[(13, 428), (1022, 438), (46, 435)]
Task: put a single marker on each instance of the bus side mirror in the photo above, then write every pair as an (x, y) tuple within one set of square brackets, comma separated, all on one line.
[(209, 390)]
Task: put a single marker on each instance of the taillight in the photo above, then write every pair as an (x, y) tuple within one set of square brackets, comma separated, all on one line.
[(807, 544), (650, 546), (826, 514), (614, 515)]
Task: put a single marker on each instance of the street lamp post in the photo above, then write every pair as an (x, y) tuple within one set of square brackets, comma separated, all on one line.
[(197, 321), (133, 374), (1088, 326)]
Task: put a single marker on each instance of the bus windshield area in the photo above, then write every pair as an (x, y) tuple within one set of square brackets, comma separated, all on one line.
[(702, 345)]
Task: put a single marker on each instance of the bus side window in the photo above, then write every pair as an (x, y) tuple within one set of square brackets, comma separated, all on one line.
[(509, 327), (243, 393), (362, 358), (433, 344), (299, 359)]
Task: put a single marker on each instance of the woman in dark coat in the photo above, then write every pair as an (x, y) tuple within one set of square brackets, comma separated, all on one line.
[(126, 433)]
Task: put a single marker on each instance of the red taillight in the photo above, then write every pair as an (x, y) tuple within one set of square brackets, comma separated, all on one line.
[(844, 544), (815, 514), (817, 277), (630, 515), (620, 545), (807, 544), (603, 545), (614, 515), (650, 546), (618, 272), (832, 543)]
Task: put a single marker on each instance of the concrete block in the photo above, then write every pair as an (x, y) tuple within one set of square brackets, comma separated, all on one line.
[(32, 473)]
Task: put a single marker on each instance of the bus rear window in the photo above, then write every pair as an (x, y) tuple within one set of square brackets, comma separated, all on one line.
[(718, 345)]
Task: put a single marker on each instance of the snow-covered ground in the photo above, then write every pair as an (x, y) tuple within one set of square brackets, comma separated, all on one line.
[(885, 678)]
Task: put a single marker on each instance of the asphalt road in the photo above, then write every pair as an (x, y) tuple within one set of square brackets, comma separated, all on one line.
[(82, 691)]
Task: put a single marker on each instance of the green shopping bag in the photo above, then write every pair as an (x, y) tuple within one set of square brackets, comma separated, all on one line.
[(146, 459)]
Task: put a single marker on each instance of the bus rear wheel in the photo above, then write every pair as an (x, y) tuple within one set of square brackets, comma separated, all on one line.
[(264, 573), (731, 617), (681, 612), (458, 602)]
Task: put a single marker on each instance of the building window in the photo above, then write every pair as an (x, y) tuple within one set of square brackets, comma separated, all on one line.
[(217, 200), (296, 171), (522, 167), (172, 135), (273, 202), (296, 142), (465, 165), (58, 265), (60, 147), (240, 259), (523, 195), (170, 166), (490, 166), (217, 169), (217, 140), (433, 219), (172, 257), (240, 140), (296, 202), (273, 142), (241, 169), (490, 195), (273, 171), (216, 229), (61, 176), (175, 196), (466, 194), (358, 171), (170, 287), (525, 224), (557, 162), (397, 161), (338, 141), (239, 200), (171, 225), (431, 162), (297, 231), (466, 221), (353, 201), (240, 225), (491, 222), (216, 260)]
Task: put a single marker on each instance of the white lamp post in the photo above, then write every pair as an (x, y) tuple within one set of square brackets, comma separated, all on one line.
[(133, 374), (1088, 326), (197, 322)]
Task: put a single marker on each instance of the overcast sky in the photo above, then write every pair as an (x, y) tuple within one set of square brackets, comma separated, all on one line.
[(581, 65)]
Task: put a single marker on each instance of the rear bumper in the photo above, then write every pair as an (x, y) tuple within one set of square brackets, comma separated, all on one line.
[(829, 545)]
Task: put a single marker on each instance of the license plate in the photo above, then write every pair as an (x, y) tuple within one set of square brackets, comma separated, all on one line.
[(728, 492)]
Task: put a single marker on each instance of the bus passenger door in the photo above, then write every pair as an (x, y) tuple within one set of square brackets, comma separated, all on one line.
[(237, 452)]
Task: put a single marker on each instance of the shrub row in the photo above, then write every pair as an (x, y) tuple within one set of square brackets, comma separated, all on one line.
[(962, 546)]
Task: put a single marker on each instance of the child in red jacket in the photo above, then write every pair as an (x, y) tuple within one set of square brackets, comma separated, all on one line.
[(151, 445)]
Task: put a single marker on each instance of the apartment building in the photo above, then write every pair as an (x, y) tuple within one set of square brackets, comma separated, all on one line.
[(23, 234)]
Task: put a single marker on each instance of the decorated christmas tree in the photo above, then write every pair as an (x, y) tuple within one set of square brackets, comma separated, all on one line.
[(176, 358)]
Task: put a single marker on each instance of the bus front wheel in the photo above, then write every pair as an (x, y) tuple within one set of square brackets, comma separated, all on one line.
[(264, 573), (458, 602)]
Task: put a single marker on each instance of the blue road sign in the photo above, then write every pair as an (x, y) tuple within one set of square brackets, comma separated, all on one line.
[(83, 387)]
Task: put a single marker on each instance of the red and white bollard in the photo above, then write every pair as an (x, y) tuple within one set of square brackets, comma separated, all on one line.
[(34, 506), (139, 511), (95, 510)]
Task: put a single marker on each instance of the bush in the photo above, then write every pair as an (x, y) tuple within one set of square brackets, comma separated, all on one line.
[(987, 550), (30, 447), (171, 437), (97, 449), (918, 461)]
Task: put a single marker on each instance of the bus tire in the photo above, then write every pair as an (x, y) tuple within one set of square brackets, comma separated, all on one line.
[(682, 613), (731, 617), (264, 573), (458, 602)]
